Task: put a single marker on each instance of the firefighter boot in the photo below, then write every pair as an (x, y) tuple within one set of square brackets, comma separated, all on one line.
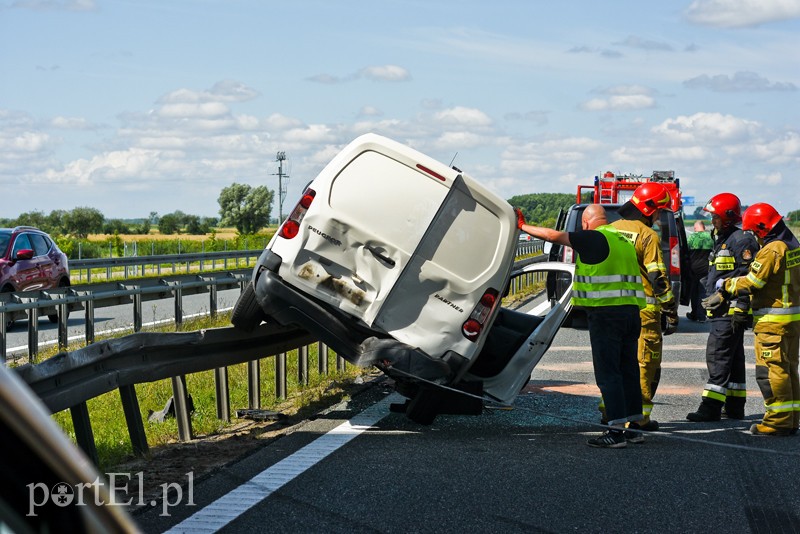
[(709, 410), (734, 408)]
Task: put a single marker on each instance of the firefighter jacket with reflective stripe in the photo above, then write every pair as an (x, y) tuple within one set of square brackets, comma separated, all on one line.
[(657, 288), (613, 282), (732, 255), (773, 281)]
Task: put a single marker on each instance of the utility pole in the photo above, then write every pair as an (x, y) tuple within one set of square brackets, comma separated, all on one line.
[(280, 158)]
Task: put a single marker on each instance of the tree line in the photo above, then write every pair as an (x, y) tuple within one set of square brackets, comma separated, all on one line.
[(243, 207)]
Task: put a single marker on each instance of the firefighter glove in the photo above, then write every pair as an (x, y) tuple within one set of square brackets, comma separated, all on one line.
[(671, 321), (741, 321), (715, 302), (520, 218)]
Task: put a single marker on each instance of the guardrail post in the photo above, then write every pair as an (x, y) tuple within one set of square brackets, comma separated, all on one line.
[(302, 365), (280, 376), (3, 328), (340, 363), (254, 384), (83, 431), (33, 334), (137, 312), (212, 300), (89, 330), (63, 315), (133, 417), (178, 305), (180, 397), (223, 394), (322, 358)]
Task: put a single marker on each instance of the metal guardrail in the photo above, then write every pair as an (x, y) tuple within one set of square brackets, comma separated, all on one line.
[(69, 380), (60, 302), (136, 266)]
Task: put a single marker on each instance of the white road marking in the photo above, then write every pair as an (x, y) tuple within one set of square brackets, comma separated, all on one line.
[(232, 505)]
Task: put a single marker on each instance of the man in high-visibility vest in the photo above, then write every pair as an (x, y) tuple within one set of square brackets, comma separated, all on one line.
[(608, 286), (773, 282), (638, 216)]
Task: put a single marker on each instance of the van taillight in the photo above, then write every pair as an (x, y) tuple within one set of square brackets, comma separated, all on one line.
[(569, 255), (473, 326), (674, 257), (291, 226)]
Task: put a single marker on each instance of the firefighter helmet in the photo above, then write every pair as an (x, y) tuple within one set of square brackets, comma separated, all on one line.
[(760, 218), (726, 206), (650, 197)]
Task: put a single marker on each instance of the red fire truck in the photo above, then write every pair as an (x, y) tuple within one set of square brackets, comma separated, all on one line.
[(613, 190)]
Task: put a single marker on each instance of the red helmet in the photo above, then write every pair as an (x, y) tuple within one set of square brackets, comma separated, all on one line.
[(726, 206), (650, 197), (760, 218)]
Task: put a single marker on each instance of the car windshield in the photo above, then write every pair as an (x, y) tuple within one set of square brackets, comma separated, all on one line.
[(5, 237)]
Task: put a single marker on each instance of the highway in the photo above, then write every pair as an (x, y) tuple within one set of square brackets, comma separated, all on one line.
[(360, 468)]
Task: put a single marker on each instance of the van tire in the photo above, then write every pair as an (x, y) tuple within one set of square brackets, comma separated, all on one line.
[(247, 313)]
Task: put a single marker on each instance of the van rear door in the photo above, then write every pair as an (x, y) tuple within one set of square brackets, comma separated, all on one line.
[(467, 249)]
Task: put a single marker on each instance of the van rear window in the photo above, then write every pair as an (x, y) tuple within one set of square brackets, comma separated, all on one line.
[(396, 201)]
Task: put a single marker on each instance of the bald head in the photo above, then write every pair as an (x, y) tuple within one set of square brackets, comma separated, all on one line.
[(593, 216), (699, 226)]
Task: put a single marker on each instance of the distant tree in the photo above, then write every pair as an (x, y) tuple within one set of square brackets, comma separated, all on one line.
[(56, 222), (195, 226), (153, 218), (144, 228), (699, 213), (116, 226), (793, 216), (33, 218), (169, 224), (244, 207), (83, 221), (542, 208)]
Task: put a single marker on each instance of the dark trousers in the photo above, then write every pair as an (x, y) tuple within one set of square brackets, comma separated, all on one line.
[(614, 336), (697, 292), (725, 359)]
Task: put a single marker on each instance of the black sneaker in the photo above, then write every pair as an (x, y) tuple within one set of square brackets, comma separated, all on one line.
[(633, 434), (610, 439)]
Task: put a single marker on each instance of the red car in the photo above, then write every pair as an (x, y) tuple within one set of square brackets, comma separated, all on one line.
[(30, 260)]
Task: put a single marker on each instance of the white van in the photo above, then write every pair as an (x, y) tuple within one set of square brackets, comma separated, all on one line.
[(396, 260)]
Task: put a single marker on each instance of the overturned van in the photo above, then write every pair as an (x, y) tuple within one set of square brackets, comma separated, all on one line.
[(394, 259)]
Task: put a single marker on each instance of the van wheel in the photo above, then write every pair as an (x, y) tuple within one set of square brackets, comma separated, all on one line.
[(424, 407), (247, 313)]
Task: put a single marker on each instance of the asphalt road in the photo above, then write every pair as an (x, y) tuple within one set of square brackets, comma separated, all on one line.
[(522, 470)]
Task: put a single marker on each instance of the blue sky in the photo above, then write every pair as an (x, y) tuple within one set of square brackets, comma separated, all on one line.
[(132, 107)]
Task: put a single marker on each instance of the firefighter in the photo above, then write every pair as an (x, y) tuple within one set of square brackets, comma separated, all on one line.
[(773, 281), (731, 256), (637, 218)]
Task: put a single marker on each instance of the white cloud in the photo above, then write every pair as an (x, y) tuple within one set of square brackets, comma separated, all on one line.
[(191, 110), (71, 123), (741, 81), (706, 128), (386, 73), (633, 41), (463, 116), (774, 178), (741, 13), (619, 103)]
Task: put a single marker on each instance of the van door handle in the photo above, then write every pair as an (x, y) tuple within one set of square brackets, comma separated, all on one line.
[(380, 255)]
